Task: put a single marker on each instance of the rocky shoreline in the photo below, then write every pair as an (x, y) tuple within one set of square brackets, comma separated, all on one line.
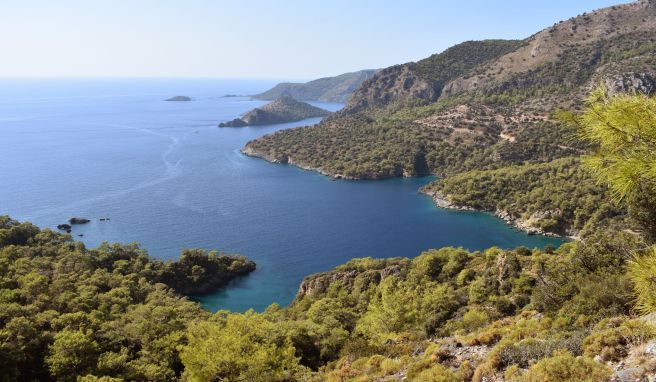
[(524, 225), (285, 159), (249, 151)]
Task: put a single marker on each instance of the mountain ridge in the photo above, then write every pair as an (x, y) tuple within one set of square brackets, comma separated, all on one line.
[(326, 89)]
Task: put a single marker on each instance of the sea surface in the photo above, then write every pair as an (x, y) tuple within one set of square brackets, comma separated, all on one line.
[(168, 178)]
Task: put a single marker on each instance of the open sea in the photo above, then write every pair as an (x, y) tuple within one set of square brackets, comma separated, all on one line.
[(169, 179)]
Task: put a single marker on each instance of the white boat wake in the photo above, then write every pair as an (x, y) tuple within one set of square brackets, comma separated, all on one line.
[(173, 170)]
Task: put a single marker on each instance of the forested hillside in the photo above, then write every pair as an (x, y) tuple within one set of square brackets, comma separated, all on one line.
[(583, 312), (67, 311), (555, 133)]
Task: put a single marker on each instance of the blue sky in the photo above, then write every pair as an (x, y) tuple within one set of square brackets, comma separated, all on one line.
[(252, 39)]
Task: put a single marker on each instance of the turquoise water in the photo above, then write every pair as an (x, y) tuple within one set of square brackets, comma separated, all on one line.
[(168, 178)]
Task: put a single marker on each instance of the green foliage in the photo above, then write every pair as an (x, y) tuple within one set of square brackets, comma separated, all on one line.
[(565, 367), (460, 59), (555, 197), (235, 347), (71, 354), (623, 130), (198, 271), (387, 143), (611, 338), (642, 272), (327, 89), (67, 311)]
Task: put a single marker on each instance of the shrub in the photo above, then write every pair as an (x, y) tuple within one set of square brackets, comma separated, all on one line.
[(474, 319), (612, 338), (565, 367), (642, 272), (390, 366)]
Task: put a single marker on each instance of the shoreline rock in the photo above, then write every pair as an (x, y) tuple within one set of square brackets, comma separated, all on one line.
[(73, 221), (237, 122), (64, 227)]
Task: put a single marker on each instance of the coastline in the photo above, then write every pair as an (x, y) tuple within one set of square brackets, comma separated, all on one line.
[(285, 159), (248, 151), (442, 201)]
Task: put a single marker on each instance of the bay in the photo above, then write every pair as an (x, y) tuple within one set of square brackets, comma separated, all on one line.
[(169, 179)]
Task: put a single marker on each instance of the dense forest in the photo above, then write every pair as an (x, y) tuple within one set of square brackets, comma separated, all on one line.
[(583, 312), (67, 311)]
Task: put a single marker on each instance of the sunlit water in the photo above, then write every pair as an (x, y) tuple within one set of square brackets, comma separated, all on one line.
[(168, 178)]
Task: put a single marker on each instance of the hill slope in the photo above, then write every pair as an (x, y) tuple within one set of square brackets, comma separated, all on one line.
[(478, 105), (327, 89)]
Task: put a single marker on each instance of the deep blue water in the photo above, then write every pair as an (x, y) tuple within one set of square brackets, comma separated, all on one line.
[(169, 178)]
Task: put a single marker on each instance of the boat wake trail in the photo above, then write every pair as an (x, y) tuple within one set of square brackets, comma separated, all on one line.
[(173, 169)]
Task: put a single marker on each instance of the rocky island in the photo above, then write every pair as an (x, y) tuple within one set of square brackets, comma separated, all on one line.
[(282, 110), (178, 99)]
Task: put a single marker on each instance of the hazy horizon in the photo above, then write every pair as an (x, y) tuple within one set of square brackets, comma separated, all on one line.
[(290, 41)]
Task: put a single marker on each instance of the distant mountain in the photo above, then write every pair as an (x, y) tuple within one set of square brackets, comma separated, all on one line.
[(328, 89), (282, 110)]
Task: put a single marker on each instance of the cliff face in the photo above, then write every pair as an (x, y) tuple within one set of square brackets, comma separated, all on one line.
[(392, 84), (631, 82), (327, 89), (358, 279), (284, 109)]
